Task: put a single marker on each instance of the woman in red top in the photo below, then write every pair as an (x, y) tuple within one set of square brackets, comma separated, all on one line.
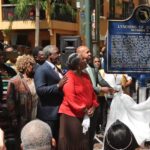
[(79, 99)]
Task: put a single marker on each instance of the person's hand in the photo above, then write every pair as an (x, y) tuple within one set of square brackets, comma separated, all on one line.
[(112, 91), (2, 143), (90, 111), (107, 90), (62, 82), (53, 143)]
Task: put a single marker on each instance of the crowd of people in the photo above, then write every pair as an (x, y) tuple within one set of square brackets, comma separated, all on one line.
[(45, 109)]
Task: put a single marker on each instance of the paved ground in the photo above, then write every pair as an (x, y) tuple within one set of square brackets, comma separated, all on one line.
[(97, 146), (98, 142)]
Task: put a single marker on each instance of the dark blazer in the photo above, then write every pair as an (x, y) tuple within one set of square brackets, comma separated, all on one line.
[(46, 80), (11, 72), (96, 78)]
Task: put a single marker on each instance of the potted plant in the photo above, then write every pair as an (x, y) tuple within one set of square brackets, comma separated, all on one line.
[(63, 11), (10, 16), (32, 14)]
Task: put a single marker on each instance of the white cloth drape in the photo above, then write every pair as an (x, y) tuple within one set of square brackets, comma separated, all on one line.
[(135, 116), (85, 123)]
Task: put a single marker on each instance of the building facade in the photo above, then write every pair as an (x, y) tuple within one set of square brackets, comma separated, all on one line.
[(53, 24), (115, 9)]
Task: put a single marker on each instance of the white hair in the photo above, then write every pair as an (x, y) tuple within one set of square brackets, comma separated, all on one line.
[(36, 135), (49, 49)]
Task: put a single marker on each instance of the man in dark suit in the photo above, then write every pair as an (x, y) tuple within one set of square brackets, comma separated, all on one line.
[(38, 55), (48, 82)]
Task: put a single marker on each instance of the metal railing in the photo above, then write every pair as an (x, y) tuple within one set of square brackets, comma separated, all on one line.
[(58, 13), (8, 13), (63, 12)]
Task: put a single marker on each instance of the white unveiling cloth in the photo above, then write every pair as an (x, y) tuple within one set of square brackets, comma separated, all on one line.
[(135, 116), (85, 123)]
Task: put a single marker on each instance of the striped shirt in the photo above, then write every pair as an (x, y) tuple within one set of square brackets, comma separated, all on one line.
[(5, 80)]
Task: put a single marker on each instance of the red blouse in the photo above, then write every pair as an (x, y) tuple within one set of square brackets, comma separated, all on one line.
[(78, 95)]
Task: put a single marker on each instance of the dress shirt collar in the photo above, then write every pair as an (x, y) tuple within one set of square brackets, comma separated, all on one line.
[(54, 68), (52, 65)]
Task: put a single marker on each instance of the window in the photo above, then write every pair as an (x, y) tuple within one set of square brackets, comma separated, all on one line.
[(112, 9), (6, 2), (101, 7), (143, 2), (127, 8), (45, 43), (22, 39)]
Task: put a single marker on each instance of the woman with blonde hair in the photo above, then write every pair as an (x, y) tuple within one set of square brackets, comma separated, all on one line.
[(22, 98)]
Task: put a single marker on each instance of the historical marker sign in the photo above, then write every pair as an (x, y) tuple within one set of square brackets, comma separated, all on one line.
[(128, 43)]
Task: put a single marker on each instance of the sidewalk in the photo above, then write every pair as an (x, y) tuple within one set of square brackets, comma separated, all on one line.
[(97, 146), (98, 142)]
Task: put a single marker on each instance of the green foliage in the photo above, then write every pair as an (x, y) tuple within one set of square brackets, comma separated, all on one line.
[(62, 11), (13, 1), (59, 10), (22, 8), (44, 4)]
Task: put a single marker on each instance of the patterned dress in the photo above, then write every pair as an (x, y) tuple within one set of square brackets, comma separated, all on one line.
[(20, 104)]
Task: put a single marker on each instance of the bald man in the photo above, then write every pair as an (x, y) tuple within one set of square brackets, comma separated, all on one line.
[(96, 78), (49, 82), (37, 135)]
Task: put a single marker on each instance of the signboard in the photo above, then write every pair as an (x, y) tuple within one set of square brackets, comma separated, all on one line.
[(128, 43)]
